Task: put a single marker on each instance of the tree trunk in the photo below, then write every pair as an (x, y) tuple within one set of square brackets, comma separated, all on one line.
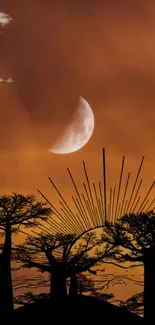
[(6, 290), (58, 282), (149, 289), (73, 290)]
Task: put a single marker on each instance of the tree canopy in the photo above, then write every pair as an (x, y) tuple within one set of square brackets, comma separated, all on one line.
[(134, 234), (132, 239), (19, 210), (16, 211), (68, 253)]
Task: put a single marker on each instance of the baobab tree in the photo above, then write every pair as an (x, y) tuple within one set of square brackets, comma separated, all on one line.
[(16, 211), (65, 258), (84, 284), (134, 236), (42, 248)]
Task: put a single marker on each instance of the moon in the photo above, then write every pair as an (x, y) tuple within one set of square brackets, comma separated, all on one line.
[(78, 132)]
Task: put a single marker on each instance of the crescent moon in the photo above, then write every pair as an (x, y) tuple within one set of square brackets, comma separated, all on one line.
[(78, 132)]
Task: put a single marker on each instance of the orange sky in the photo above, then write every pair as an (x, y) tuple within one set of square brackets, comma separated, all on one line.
[(57, 51)]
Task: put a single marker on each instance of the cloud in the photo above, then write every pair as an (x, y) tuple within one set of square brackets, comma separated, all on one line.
[(5, 19), (9, 81)]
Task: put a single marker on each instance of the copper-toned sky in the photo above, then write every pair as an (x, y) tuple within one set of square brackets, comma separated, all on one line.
[(57, 51)]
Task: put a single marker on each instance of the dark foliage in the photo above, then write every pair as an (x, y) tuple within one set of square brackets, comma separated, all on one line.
[(135, 304)]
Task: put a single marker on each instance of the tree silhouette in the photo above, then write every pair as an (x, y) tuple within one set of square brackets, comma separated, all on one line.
[(84, 284), (16, 211), (29, 297), (63, 257), (45, 246), (87, 285), (134, 304), (134, 237)]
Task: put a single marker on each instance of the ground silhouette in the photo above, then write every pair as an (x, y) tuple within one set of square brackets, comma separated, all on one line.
[(74, 310)]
